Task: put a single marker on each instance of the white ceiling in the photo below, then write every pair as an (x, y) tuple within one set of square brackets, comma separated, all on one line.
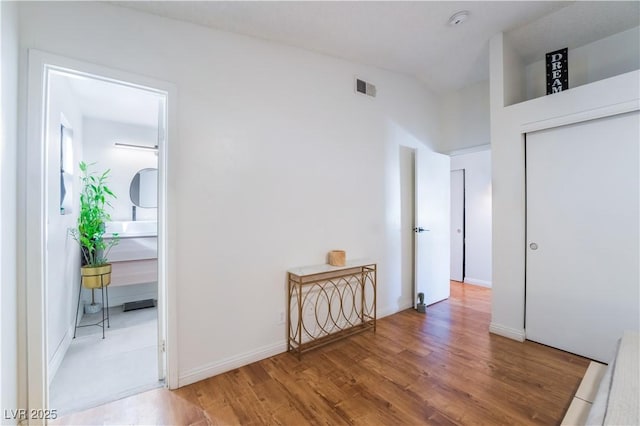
[(408, 37), (115, 102), (411, 37)]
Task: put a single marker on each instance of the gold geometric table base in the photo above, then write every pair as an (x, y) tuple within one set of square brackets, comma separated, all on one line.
[(327, 303)]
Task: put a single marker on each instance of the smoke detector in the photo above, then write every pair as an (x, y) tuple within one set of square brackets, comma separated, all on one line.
[(458, 18)]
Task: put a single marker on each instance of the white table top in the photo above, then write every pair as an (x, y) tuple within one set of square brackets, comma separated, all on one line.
[(325, 267)]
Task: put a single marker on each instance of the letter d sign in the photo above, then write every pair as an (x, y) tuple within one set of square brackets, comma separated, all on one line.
[(557, 71)]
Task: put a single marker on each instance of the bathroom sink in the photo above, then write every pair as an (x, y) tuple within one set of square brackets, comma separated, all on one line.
[(129, 229), (138, 240)]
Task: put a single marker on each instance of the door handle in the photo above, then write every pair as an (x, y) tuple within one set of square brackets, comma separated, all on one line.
[(533, 246), (419, 230)]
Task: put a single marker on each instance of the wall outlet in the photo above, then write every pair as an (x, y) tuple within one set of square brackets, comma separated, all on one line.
[(283, 318)]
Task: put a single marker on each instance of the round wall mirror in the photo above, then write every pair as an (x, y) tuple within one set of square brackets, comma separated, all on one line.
[(144, 188)]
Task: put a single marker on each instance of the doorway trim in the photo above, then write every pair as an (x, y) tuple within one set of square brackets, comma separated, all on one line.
[(33, 160)]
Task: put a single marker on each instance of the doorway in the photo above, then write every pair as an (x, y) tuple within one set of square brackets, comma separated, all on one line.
[(424, 222), (471, 216), (74, 110), (112, 127), (457, 224)]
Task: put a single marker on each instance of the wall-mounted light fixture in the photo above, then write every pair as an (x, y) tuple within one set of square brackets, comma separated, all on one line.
[(135, 146)]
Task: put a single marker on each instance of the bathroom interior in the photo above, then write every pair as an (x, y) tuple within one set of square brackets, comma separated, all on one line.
[(117, 127)]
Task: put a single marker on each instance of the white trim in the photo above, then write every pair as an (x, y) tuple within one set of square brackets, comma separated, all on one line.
[(381, 313), (402, 307), (592, 114), (166, 211), (61, 351), (507, 332), (481, 283), (470, 150), (34, 313), (227, 364)]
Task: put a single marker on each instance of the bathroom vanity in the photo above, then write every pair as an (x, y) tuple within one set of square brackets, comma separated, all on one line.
[(134, 260)]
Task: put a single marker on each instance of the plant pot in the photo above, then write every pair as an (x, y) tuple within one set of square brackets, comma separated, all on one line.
[(96, 276), (422, 308), (92, 308)]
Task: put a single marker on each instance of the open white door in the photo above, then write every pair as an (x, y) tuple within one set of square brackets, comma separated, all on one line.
[(432, 227)]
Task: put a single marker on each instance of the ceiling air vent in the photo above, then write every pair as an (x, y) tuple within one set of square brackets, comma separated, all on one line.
[(365, 88)]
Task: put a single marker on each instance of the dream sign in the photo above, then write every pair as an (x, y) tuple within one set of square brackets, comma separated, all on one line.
[(557, 71)]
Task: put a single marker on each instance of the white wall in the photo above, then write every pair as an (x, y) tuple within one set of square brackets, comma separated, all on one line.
[(465, 117), (63, 251), (277, 162), (511, 69), (99, 139), (616, 54), (8, 221), (508, 126), (477, 166)]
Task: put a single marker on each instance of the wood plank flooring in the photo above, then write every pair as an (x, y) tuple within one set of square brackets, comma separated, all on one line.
[(440, 368), (155, 407)]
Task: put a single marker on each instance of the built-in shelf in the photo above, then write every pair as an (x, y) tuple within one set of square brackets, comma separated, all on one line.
[(525, 78)]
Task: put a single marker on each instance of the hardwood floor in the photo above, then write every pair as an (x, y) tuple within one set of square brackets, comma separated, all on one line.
[(440, 368), (155, 407)]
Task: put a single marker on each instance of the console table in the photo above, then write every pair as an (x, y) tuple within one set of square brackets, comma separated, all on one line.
[(327, 303)]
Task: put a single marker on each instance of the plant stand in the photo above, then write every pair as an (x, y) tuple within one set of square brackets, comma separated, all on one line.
[(104, 288)]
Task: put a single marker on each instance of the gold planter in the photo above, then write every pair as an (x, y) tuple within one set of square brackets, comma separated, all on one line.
[(96, 276)]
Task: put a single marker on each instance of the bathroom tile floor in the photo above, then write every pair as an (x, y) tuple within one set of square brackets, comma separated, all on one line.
[(95, 371)]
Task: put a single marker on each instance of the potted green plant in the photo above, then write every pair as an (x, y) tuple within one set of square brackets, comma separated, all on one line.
[(95, 197)]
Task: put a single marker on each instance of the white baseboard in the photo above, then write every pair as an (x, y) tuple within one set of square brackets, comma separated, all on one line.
[(404, 306), (473, 281), (511, 333), (228, 364), (385, 312), (213, 369), (59, 354)]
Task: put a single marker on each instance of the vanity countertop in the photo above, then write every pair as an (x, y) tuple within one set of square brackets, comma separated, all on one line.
[(132, 229)]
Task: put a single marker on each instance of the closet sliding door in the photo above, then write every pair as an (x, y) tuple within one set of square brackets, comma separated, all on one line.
[(582, 276)]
